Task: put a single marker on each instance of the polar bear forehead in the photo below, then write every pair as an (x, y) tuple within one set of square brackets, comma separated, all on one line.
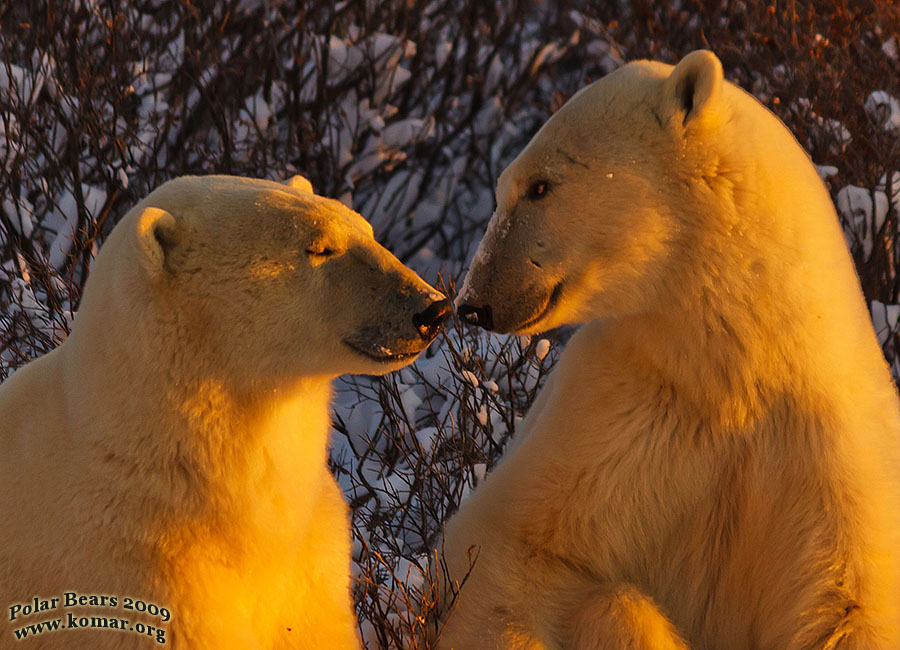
[(600, 122), (616, 94), (611, 103), (222, 201), (306, 211)]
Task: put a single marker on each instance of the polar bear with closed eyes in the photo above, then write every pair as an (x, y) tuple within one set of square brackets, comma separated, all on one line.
[(172, 451)]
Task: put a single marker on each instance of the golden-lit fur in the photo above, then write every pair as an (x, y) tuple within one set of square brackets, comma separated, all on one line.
[(173, 448), (713, 463)]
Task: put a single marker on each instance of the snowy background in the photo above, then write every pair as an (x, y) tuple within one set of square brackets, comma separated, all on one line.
[(406, 111)]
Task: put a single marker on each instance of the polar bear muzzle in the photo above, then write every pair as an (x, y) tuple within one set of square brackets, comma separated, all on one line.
[(398, 340), (530, 309), (400, 314)]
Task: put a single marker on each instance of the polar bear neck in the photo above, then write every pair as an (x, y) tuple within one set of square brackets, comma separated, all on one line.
[(731, 358), (767, 296), (222, 449)]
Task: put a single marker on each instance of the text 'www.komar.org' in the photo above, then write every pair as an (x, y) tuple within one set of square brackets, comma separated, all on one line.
[(79, 621)]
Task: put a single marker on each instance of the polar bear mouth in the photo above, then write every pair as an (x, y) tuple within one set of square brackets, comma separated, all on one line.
[(549, 305), (382, 354)]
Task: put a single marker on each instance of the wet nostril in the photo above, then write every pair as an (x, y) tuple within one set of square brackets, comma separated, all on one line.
[(480, 316), (429, 321)]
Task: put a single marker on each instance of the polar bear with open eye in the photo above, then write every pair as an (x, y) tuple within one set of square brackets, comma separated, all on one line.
[(172, 450), (713, 463)]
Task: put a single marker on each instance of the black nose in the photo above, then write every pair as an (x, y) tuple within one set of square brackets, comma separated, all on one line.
[(428, 322), (480, 316)]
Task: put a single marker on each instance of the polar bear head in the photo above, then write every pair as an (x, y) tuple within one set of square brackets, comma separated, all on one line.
[(598, 216), (264, 281)]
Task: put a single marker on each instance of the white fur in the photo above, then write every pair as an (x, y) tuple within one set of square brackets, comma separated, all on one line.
[(715, 461), (173, 448)]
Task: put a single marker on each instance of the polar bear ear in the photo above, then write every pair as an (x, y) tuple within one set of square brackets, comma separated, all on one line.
[(694, 88), (300, 183), (157, 234)]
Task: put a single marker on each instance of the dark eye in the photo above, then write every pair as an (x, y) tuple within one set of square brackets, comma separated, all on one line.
[(538, 190)]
